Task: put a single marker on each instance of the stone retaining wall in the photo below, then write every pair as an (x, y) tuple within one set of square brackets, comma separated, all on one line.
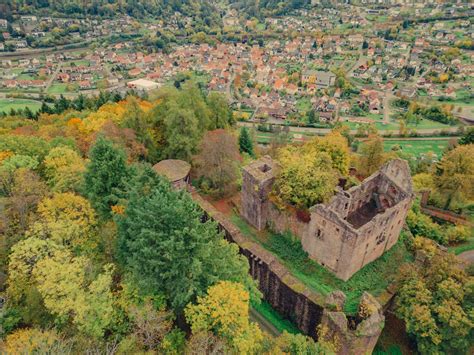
[(293, 300), (287, 295)]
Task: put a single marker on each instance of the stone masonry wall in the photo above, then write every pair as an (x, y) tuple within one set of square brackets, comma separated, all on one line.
[(292, 299), (285, 220), (287, 295), (355, 228)]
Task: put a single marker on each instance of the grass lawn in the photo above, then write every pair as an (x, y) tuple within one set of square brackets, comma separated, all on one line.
[(80, 63), (418, 147), (25, 77), (461, 248), (7, 104), (374, 277), (57, 89), (428, 124), (266, 137), (303, 104)]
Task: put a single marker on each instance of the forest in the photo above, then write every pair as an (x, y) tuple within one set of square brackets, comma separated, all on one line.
[(100, 254), (204, 10), (86, 267), (207, 11)]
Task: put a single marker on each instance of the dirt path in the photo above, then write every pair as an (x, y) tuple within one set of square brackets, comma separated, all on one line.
[(467, 256), (265, 325)]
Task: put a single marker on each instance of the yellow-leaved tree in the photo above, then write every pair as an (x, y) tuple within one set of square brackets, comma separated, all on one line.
[(34, 341), (64, 169), (23, 258), (68, 219), (224, 311), (66, 292), (454, 178), (371, 155), (335, 144), (309, 174)]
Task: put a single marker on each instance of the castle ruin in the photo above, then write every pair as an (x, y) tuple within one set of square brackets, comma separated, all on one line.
[(357, 225)]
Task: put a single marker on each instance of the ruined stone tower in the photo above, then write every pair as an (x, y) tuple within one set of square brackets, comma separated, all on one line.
[(257, 182), (356, 227), (353, 335)]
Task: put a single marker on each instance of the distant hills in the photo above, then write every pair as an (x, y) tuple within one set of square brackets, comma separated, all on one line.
[(205, 9)]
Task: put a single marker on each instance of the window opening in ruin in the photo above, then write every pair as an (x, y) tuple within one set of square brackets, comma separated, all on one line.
[(319, 234), (380, 238), (265, 168)]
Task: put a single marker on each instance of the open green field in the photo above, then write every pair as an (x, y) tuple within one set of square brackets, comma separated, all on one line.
[(7, 104), (418, 147), (393, 125), (57, 89), (374, 277), (266, 137)]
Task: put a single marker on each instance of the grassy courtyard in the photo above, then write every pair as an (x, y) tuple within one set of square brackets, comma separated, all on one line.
[(7, 104), (373, 278)]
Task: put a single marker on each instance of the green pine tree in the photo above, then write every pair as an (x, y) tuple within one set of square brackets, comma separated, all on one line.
[(166, 247), (245, 142), (105, 176)]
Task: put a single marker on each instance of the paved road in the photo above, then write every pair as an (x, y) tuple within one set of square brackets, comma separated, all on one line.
[(53, 77)]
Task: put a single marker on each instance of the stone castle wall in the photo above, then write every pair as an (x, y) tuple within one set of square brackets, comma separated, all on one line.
[(287, 295), (355, 228), (292, 299), (357, 335), (285, 220)]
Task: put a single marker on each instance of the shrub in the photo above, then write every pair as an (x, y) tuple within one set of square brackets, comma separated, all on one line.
[(457, 234)]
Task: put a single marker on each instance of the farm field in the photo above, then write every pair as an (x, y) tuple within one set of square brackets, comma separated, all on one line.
[(7, 104), (418, 147)]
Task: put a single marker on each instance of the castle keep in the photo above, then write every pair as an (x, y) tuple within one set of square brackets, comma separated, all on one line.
[(357, 225)]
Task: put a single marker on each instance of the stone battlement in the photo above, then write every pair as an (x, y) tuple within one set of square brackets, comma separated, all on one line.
[(356, 227)]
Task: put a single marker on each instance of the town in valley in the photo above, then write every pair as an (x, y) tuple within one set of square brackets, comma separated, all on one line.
[(237, 177)]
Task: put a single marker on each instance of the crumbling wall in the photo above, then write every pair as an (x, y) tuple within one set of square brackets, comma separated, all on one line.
[(330, 241), (285, 220), (294, 301), (355, 228), (354, 335)]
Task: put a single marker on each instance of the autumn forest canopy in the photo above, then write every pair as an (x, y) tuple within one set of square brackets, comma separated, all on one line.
[(98, 250)]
